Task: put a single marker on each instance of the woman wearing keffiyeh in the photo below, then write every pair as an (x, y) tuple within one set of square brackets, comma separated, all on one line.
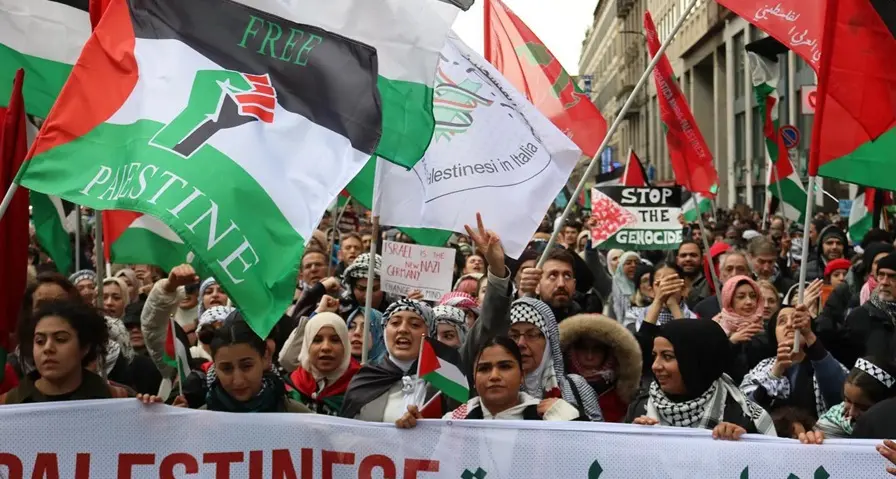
[(691, 388), (870, 381)]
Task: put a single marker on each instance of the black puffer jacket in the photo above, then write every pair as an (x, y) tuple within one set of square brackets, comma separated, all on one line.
[(869, 331)]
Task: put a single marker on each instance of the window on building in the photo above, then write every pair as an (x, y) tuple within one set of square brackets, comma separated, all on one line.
[(739, 66), (740, 133)]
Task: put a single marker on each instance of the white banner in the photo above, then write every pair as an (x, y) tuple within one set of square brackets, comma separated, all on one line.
[(407, 267), (122, 439), (492, 152)]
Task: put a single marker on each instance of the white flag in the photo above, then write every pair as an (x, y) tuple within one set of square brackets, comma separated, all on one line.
[(492, 151)]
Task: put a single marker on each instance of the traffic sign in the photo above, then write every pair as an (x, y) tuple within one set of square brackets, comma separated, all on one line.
[(791, 136), (809, 96)]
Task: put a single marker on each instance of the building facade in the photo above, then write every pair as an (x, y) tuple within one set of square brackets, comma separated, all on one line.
[(711, 64)]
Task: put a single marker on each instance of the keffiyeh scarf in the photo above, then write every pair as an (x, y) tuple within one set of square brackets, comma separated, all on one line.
[(412, 305), (778, 388), (888, 307), (834, 423), (451, 316), (270, 398), (707, 410)]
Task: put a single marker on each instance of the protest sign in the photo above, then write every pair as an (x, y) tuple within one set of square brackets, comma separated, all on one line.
[(407, 267), (636, 218), (158, 441)]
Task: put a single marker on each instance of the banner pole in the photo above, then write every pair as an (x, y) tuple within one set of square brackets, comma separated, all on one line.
[(612, 130), (810, 203), (371, 271)]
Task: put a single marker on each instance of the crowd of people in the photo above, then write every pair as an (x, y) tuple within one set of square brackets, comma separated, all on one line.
[(643, 337)]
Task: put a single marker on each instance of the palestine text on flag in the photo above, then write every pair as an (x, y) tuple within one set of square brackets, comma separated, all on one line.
[(688, 152), (783, 181), (528, 64), (175, 353), (163, 114), (636, 218), (491, 149), (407, 36), (44, 37), (854, 134), (440, 371)]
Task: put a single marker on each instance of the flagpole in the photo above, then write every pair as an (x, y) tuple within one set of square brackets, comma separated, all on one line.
[(335, 231), (612, 130), (77, 238), (371, 271), (810, 203)]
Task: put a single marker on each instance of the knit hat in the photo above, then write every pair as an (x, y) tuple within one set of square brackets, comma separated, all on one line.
[(835, 265), (887, 262), (82, 275), (449, 315), (215, 314), (412, 305), (359, 269), (873, 250)]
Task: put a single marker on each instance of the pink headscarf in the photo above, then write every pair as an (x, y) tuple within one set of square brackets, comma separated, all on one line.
[(730, 321)]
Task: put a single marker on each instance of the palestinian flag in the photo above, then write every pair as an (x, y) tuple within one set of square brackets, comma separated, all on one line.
[(137, 238), (691, 203), (175, 353), (44, 37), (407, 36), (54, 220), (528, 64), (634, 174), (783, 181), (439, 365), (198, 126), (688, 152), (861, 215), (854, 134)]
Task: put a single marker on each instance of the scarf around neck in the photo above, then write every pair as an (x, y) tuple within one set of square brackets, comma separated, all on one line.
[(600, 378), (707, 410), (888, 307), (271, 397), (730, 320)]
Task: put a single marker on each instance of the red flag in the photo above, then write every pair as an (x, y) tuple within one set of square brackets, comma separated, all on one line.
[(795, 23), (14, 224), (688, 152), (527, 63), (96, 9), (634, 175), (854, 134)]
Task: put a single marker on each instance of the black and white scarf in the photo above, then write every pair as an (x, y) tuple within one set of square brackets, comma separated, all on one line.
[(707, 410), (888, 307)]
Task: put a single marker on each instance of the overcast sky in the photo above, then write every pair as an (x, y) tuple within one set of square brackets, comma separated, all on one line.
[(560, 24)]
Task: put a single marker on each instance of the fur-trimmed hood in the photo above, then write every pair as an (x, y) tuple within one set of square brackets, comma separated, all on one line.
[(619, 340)]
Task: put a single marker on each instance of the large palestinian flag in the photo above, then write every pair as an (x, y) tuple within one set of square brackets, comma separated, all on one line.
[(130, 237), (854, 136), (237, 137), (783, 181)]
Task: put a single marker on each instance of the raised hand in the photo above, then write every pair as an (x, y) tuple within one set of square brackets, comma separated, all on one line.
[(784, 359), (181, 276), (745, 334), (529, 280), (328, 304), (489, 245)]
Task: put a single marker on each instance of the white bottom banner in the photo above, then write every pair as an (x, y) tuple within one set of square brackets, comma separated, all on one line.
[(126, 439)]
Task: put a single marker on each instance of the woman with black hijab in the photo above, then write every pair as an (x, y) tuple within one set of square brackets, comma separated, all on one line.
[(691, 388)]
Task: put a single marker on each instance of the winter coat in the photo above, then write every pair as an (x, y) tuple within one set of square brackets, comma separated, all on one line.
[(92, 387), (493, 320), (830, 326), (869, 331), (708, 308), (879, 422), (621, 346), (700, 290), (157, 311)]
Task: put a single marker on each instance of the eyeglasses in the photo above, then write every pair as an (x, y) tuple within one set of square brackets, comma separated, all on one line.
[(532, 335)]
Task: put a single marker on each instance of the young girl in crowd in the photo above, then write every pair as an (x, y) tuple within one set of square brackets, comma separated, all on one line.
[(376, 343), (498, 377), (382, 392), (770, 300), (741, 319), (326, 364), (641, 299), (242, 379), (870, 381), (449, 326), (691, 388), (607, 356), (811, 380), (62, 339), (85, 282)]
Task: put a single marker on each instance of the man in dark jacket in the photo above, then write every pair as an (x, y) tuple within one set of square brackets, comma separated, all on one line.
[(554, 283), (689, 258), (831, 245), (763, 256), (870, 328)]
